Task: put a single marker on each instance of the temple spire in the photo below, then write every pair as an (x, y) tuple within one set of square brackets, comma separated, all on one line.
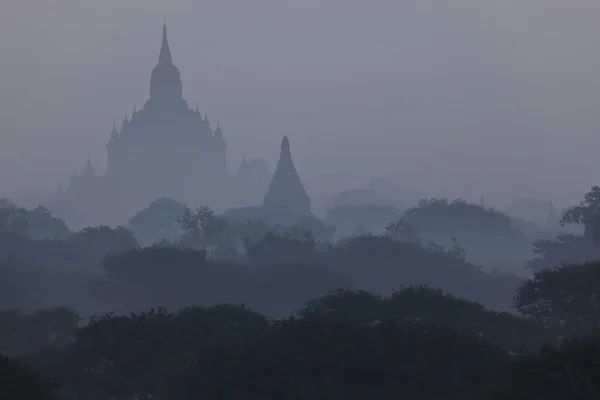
[(286, 189), (165, 51), (165, 80)]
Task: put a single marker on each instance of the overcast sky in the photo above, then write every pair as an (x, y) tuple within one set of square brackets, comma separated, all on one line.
[(505, 94)]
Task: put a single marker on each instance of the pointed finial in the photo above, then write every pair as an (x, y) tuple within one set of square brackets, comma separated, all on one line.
[(114, 130), (285, 143), (165, 51), (244, 158)]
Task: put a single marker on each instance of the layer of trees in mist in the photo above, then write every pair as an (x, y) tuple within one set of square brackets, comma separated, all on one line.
[(443, 300)]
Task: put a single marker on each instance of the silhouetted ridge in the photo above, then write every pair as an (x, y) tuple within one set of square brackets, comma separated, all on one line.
[(286, 188)]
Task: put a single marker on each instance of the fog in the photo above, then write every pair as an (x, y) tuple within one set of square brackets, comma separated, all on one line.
[(502, 96), (314, 199)]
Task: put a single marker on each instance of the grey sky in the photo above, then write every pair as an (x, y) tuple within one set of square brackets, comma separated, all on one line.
[(506, 93)]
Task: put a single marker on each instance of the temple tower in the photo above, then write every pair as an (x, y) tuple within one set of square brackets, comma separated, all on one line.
[(286, 189)]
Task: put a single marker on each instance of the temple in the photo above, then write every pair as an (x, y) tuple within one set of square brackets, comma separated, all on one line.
[(286, 189), (164, 149)]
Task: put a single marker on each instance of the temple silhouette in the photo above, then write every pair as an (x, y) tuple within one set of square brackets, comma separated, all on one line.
[(167, 149), (286, 189)]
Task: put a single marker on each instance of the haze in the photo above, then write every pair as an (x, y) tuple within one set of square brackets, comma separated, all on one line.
[(503, 96)]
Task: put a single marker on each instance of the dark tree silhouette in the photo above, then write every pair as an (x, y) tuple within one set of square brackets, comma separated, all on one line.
[(20, 382), (567, 296), (158, 221)]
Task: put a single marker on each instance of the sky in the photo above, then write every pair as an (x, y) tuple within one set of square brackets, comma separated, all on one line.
[(502, 95)]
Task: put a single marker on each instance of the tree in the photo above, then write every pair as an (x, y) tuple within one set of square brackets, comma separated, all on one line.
[(565, 372), (379, 264), (43, 225), (252, 230), (158, 221), (140, 353), (18, 381), (281, 248), (403, 232), (7, 203), (422, 304), (487, 236), (22, 333), (214, 234), (319, 359), (567, 296), (368, 217), (101, 241), (14, 221), (586, 213), (564, 249), (194, 224), (356, 306)]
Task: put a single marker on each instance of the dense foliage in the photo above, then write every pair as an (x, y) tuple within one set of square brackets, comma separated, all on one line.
[(19, 381), (256, 304)]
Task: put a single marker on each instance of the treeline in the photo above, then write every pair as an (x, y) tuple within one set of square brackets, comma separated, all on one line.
[(200, 258), (383, 315), (282, 273), (417, 343)]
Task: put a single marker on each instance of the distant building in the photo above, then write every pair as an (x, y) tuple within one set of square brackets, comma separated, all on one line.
[(286, 189), (166, 149)]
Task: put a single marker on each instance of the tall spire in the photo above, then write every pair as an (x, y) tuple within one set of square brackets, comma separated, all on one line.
[(165, 81), (165, 51), (286, 189)]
